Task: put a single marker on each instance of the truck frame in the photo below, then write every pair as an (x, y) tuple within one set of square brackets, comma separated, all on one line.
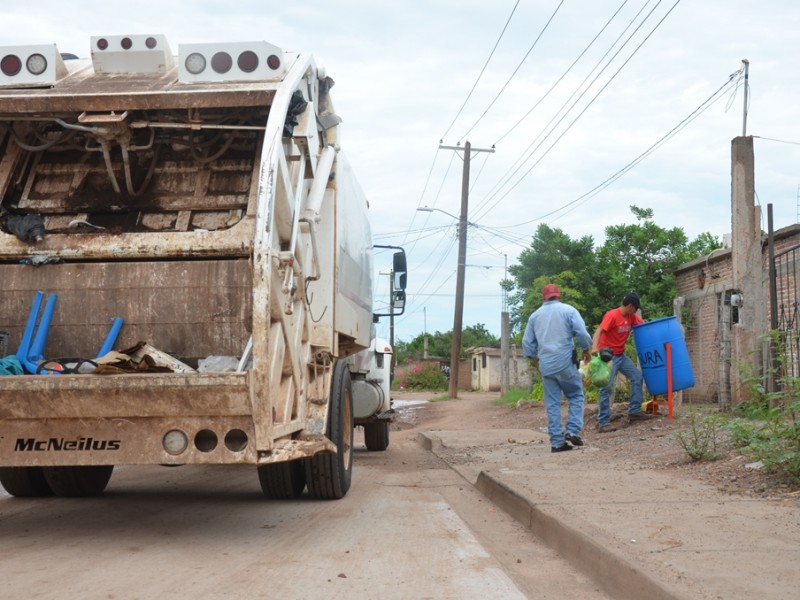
[(190, 206)]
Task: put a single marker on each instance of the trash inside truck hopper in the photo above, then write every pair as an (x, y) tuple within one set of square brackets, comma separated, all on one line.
[(187, 265)]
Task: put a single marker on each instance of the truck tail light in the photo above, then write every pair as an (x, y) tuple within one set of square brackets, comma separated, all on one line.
[(221, 62), (10, 65), (239, 61), (247, 61), (131, 54), (30, 66)]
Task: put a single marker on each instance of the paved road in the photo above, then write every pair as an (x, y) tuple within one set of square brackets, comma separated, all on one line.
[(410, 527)]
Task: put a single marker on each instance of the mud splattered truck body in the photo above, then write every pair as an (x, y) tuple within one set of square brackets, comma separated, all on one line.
[(194, 209)]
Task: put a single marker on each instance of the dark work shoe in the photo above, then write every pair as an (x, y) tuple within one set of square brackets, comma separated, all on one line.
[(606, 428), (562, 448), (575, 440), (640, 416)]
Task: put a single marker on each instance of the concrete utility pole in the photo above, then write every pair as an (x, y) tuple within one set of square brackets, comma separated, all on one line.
[(424, 333), (505, 357), (746, 263), (455, 350), (504, 337)]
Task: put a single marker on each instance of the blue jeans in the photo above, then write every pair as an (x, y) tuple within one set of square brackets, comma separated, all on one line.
[(620, 364), (570, 383)]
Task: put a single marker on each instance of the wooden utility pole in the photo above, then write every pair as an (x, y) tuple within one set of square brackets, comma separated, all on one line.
[(455, 349)]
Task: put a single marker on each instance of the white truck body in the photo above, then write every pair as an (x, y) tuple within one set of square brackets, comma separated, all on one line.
[(203, 201)]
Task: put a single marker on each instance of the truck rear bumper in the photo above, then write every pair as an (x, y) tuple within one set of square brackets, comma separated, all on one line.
[(89, 420)]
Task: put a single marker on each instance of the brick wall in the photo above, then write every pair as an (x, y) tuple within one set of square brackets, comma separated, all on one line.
[(703, 283)]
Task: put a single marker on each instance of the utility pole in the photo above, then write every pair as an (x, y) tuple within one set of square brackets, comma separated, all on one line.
[(746, 64), (455, 349), (424, 333), (391, 320), (505, 358)]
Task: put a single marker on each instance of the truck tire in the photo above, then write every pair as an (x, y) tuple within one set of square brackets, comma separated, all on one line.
[(328, 475), (78, 481), (283, 480), (376, 436), (25, 482)]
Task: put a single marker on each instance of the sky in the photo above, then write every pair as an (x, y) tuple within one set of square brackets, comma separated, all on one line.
[(590, 107)]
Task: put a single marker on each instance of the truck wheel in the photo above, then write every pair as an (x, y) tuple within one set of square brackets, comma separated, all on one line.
[(25, 482), (328, 475), (283, 480), (376, 435), (78, 481)]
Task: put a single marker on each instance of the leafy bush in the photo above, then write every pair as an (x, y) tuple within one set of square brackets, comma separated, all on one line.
[(700, 439), (421, 376), (517, 395), (774, 439), (769, 425), (536, 394)]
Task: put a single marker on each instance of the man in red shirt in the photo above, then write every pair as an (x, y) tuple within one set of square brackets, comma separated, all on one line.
[(612, 333)]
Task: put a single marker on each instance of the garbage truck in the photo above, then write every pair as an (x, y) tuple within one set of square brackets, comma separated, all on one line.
[(188, 269)]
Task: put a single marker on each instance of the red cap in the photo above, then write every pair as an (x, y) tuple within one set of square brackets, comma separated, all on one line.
[(551, 291)]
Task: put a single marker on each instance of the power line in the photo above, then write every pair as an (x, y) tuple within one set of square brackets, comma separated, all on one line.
[(761, 137), (617, 72), (486, 64), (528, 153), (524, 58), (712, 99), (563, 75)]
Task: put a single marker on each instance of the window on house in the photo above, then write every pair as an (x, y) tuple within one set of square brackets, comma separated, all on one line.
[(483, 360)]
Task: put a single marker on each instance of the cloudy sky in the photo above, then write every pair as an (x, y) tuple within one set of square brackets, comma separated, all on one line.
[(591, 106)]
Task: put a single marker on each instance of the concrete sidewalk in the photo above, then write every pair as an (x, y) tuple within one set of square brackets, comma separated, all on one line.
[(638, 533)]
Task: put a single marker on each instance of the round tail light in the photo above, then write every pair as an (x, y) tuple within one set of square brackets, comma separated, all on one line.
[(126, 43), (221, 62), (102, 44), (248, 61), (273, 62), (150, 42), (10, 65), (36, 64), (195, 63)]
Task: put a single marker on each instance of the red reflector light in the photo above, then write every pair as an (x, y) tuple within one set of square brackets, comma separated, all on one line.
[(221, 62), (273, 62), (102, 44), (126, 43), (10, 65), (248, 61), (151, 42)]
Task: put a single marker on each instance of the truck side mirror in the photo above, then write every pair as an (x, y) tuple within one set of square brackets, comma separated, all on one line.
[(400, 270), (398, 301)]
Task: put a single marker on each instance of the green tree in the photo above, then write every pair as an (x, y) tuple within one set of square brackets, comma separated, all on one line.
[(440, 343), (552, 258), (639, 257), (642, 257), (477, 336)]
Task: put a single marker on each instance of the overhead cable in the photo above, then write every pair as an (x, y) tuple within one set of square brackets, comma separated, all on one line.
[(563, 75), (585, 108), (528, 153), (524, 58), (486, 64)]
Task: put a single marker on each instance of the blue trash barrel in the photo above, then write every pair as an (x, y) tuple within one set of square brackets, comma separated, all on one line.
[(650, 338)]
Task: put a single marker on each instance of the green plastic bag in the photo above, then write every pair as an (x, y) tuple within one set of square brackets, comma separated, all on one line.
[(599, 371)]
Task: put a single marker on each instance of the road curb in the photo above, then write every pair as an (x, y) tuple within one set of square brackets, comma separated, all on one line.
[(617, 575)]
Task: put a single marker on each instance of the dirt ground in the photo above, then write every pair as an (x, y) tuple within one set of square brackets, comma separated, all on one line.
[(642, 445)]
